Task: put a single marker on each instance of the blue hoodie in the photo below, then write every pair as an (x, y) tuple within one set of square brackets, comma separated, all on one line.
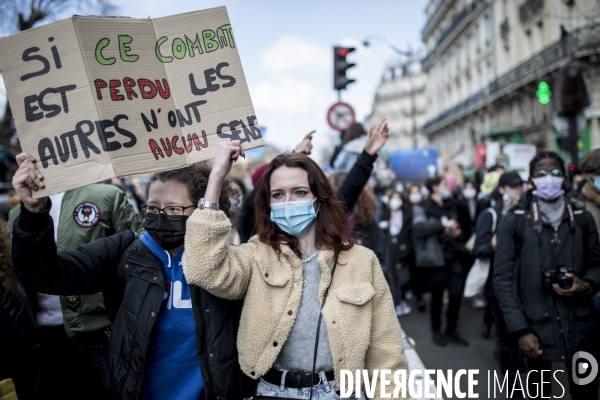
[(172, 369)]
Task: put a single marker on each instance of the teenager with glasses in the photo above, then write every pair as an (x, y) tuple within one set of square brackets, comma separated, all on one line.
[(170, 340), (546, 271), (314, 303)]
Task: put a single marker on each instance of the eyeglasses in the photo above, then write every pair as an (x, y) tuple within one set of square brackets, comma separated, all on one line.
[(542, 173), (172, 213)]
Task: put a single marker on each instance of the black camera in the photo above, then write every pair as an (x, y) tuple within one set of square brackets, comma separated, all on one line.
[(558, 276)]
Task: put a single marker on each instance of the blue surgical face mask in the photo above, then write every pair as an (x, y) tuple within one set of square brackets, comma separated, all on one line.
[(446, 194), (596, 183), (294, 217)]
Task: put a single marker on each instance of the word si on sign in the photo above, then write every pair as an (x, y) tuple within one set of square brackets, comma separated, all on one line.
[(99, 97)]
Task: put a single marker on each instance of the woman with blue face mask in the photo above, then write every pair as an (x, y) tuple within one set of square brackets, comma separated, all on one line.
[(312, 301)]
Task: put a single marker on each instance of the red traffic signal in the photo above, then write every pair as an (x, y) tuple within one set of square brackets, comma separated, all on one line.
[(340, 65), (344, 52)]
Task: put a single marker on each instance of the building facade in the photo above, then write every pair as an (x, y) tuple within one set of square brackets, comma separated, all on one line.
[(485, 62), (400, 98)]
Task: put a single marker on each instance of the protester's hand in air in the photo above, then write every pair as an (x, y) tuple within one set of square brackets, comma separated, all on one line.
[(227, 153), (28, 179), (305, 146), (377, 138), (579, 286), (530, 345)]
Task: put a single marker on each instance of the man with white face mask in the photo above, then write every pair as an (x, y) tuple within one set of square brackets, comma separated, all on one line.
[(546, 271)]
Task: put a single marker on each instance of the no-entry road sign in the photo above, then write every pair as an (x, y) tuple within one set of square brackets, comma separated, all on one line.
[(340, 116)]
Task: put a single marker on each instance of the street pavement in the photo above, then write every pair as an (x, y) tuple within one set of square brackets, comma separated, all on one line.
[(478, 355)]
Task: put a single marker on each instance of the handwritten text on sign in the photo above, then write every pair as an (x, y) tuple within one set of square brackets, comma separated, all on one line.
[(96, 97)]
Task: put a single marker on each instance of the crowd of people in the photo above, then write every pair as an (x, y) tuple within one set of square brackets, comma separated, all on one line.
[(203, 288)]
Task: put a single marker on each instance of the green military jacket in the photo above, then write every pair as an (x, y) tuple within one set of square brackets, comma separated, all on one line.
[(89, 213)]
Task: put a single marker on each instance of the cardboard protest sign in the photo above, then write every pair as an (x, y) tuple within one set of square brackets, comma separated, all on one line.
[(99, 97)]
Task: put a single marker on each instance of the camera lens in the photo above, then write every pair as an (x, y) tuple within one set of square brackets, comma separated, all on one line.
[(564, 282)]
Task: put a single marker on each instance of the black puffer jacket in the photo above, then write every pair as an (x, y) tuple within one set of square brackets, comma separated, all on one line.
[(131, 278), (563, 325), (18, 341)]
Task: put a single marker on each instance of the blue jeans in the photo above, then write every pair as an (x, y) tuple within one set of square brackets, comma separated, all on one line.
[(324, 391)]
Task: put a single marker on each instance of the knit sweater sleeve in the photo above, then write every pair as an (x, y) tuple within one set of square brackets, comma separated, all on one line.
[(211, 262)]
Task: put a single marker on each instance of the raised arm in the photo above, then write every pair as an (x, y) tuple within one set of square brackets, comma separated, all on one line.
[(360, 172), (209, 260), (85, 270)]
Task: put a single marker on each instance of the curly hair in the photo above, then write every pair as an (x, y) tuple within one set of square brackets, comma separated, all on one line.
[(331, 220), (366, 205), (7, 271), (195, 178), (544, 155)]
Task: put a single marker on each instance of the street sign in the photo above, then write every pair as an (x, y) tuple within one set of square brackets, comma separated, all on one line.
[(340, 116)]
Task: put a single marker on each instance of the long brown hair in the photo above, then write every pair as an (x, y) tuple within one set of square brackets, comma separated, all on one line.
[(331, 219), (7, 271), (366, 204)]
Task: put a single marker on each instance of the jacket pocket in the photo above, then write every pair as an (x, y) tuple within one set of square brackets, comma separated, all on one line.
[(138, 267), (274, 275), (357, 294), (584, 311)]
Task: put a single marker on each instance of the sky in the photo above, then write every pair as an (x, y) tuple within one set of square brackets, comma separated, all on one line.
[(286, 52)]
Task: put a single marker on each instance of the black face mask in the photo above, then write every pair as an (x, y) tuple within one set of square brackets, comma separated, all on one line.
[(168, 234)]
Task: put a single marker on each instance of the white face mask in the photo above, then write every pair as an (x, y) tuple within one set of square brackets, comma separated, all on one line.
[(415, 198), (469, 193), (395, 204)]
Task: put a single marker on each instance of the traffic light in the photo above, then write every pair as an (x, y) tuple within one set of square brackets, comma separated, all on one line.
[(340, 65)]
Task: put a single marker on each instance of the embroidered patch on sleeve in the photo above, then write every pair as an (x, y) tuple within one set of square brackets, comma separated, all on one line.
[(86, 214)]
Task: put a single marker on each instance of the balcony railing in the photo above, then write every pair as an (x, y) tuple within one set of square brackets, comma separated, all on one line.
[(459, 19), (434, 18), (475, 99), (528, 10), (579, 40), (456, 22)]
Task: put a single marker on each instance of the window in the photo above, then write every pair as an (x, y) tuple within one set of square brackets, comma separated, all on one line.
[(469, 86), (468, 47), (490, 72), (488, 30)]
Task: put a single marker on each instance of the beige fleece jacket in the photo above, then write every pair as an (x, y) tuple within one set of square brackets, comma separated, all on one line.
[(362, 326)]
